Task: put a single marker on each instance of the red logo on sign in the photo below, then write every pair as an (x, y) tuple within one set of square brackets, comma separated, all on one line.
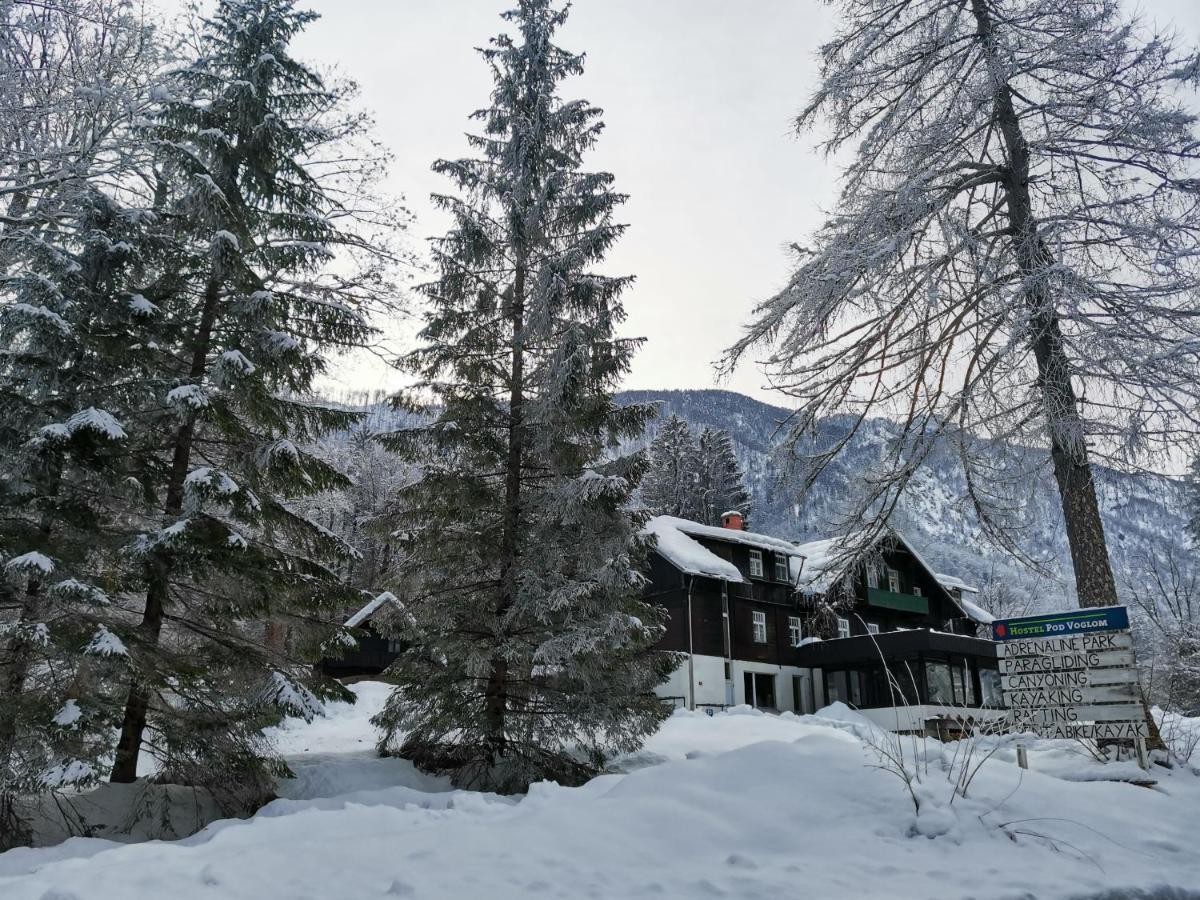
[(1001, 630)]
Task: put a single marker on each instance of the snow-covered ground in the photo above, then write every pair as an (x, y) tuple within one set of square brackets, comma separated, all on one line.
[(740, 804)]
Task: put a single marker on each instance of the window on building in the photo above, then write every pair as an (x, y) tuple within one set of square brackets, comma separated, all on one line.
[(759, 689), (759, 621), (843, 627), (794, 632), (989, 688), (893, 581), (917, 591), (938, 686), (872, 576), (781, 568), (756, 564), (968, 684), (872, 628), (956, 679)]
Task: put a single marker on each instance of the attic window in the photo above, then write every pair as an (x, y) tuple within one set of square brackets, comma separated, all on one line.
[(843, 626), (781, 567), (917, 591), (756, 564)]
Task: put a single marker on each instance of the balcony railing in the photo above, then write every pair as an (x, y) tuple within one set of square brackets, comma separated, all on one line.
[(894, 600)]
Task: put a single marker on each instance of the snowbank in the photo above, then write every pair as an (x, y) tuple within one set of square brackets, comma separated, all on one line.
[(739, 804)]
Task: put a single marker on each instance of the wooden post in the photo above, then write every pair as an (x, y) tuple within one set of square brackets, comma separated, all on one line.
[(1143, 758), (1022, 756)]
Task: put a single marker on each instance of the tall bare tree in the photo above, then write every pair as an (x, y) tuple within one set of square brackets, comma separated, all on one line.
[(1013, 259), (73, 74)]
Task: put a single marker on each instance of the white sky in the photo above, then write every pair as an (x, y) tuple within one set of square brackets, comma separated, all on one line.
[(698, 98)]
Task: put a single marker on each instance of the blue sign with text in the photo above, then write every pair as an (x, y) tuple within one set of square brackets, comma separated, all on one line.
[(1067, 624)]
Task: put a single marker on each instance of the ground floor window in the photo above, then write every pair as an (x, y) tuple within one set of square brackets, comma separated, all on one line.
[(760, 689), (989, 688), (939, 682)]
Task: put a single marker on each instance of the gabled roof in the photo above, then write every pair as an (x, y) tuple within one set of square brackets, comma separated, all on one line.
[(824, 561), (371, 608)]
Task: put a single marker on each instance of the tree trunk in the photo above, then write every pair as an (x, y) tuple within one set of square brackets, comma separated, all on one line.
[(496, 699), (137, 705), (1094, 582)]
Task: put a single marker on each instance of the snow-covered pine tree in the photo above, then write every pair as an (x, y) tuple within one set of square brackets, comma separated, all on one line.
[(247, 140), (72, 358), (722, 482), (671, 486), (529, 648), (1012, 260)]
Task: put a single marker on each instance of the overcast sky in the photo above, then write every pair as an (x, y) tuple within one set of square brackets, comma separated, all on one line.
[(698, 98)]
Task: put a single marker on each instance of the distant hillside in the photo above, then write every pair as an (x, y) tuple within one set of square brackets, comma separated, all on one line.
[(1141, 513)]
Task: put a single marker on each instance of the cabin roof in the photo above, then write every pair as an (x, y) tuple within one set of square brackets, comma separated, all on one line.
[(371, 608)]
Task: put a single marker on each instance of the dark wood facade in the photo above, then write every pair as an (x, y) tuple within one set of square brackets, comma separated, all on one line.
[(920, 627)]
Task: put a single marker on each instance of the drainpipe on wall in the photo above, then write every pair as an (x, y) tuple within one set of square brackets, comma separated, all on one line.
[(691, 655)]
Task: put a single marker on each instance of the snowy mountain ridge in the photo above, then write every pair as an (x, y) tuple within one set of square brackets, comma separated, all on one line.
[(1143, 514)]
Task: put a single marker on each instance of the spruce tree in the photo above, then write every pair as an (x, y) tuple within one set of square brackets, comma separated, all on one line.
[(722, 482), (672, 484), (72, 353), (243, 135), (529, 646)]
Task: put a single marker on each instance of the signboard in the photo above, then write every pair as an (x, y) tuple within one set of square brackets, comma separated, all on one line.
[(1078, 621), (1071, 674)]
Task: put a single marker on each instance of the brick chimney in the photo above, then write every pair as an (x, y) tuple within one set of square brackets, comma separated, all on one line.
[(734, 520)]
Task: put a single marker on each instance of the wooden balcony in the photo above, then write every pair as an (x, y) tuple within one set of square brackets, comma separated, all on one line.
[(894, 600)]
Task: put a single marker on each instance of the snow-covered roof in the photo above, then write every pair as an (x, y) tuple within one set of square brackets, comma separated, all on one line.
[(686, 554), (954, 583), (369, 610), (975, 612), (823, 563), (819, 568), (731, 535)]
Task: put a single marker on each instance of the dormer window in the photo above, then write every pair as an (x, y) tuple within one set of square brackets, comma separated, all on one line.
[(781, 568), (756, 564), (893, 581)]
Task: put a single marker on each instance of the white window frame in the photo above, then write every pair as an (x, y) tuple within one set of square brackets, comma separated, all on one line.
[(758, 623), (917, 591), (893, 581), (795, 631), (782, 569), (756, 564), (872, 628), (843, 626), (873, 576)]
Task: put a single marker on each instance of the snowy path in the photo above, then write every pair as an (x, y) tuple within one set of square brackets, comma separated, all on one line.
[(734, 805)]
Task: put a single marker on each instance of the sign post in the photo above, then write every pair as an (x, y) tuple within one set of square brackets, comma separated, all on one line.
[(1071, 675)]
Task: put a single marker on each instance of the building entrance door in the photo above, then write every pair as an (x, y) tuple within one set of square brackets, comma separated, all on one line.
[(760, 689)]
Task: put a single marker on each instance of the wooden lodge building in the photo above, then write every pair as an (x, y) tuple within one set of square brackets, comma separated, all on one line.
[(770, 623), (777, 625)]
